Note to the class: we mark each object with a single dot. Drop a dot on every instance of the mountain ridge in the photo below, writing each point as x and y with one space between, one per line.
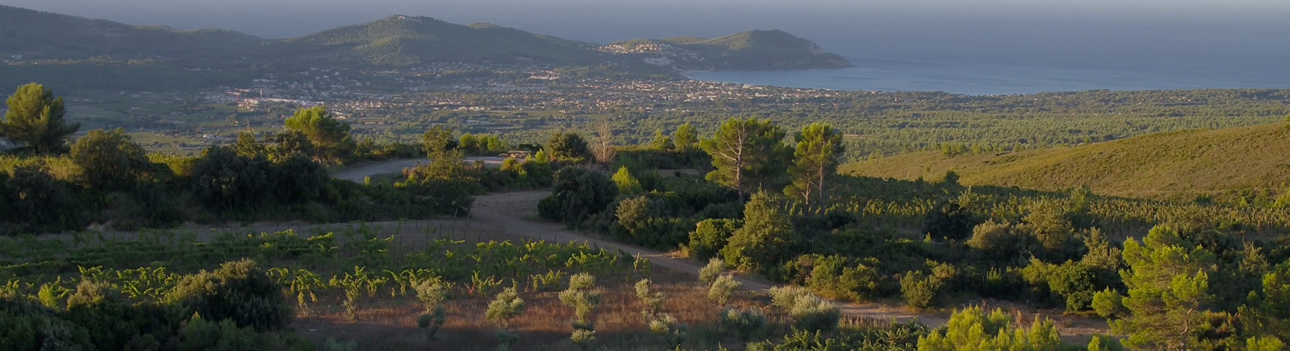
394 41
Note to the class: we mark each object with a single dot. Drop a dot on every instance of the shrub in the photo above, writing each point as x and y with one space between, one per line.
627 184
238 291
722 289
28 327
34 201
831 278
711 235
949 221
920 291
110 160
645 221
576 194
671 329
973 329
651 301
431 322
785 297
505 307
710 272
222 180
809 312
998 241
812 313
583 297
583 338
432 292
745 323
767 237
567 145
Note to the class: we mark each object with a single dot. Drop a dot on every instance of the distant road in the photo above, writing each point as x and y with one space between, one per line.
357 172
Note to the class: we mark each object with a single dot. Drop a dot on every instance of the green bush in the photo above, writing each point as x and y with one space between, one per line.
921 291
1071 283
974 329
832 277
203 335
29 327
949 221
577 193
711 235
238 291
767 237
999 241
723 289
34 201
111 161
567 145
745 323
812 313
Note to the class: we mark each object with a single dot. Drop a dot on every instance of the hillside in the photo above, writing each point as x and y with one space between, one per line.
34 35
402 40
751 50
91 54
1179 165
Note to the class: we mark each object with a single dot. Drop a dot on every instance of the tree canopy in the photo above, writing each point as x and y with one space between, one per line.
36 119
329 136
746 154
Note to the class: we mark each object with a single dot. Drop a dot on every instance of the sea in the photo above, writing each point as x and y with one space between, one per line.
1033 69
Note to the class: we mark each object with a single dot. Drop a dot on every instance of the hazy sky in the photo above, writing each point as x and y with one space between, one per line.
608 20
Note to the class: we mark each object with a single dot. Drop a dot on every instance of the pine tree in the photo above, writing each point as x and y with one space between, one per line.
329 136
767 237
746 154
36 119
685 138
1168 284
661 141
819 149
627 183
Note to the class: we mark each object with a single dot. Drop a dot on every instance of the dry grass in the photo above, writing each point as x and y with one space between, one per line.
1156 166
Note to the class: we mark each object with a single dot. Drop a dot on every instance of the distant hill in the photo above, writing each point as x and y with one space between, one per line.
1177 165
402 41
86 53
34 35
751 50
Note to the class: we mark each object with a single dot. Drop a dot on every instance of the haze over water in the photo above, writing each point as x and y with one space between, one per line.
974 47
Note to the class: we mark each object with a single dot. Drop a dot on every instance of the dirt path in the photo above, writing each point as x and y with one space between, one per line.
511 213
514 213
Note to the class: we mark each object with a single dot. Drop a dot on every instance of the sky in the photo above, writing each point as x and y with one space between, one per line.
603 21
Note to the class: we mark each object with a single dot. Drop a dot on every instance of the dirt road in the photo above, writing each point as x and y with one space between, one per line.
514 214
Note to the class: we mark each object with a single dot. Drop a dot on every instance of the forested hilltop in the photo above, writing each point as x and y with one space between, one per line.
34 41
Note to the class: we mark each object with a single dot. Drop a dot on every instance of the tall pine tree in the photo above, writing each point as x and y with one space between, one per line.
35 119
685 138
819 148
1168 285
746 154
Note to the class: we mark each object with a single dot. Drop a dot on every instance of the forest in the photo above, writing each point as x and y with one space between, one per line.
88 263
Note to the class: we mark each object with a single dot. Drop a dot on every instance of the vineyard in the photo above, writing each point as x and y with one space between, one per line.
356 288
